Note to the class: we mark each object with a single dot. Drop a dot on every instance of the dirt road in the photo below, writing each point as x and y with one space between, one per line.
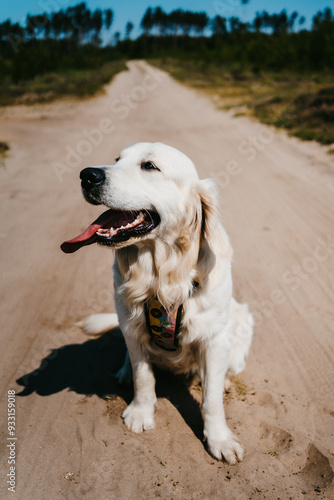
277 206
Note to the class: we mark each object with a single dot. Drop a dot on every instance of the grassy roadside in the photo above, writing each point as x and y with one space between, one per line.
304 105
51 86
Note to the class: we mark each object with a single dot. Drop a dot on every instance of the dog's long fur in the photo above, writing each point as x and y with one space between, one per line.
188 245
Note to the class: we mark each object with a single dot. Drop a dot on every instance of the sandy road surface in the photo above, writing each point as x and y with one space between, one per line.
276 204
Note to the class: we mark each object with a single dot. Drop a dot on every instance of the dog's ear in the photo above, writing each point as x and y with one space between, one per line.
214 240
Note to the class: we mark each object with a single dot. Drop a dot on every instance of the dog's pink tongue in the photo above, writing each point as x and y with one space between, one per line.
88 236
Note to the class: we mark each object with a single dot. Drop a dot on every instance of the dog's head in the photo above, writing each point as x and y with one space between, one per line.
152 191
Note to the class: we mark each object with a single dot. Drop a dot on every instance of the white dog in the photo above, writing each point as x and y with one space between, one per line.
172 280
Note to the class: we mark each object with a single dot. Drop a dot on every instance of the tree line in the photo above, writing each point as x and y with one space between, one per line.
84 26
157 22
72 38
77 23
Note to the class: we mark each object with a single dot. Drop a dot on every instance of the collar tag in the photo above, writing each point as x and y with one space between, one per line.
163 326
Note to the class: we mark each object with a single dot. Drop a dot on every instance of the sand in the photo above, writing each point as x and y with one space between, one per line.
277 206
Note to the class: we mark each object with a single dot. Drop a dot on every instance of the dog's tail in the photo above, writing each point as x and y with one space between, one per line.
97 324
243 323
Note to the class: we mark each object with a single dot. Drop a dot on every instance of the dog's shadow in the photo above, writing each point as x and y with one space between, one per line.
89 369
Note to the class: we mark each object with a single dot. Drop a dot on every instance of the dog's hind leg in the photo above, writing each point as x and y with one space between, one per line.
98 323
242 337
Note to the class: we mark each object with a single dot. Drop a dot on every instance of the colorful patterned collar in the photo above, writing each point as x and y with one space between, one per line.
164 326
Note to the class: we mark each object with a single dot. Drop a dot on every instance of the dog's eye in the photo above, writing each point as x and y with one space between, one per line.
148 165
117 159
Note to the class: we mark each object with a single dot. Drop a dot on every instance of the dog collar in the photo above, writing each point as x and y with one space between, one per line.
164 326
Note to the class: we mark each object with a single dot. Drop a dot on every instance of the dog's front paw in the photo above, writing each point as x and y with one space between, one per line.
139 417
226 446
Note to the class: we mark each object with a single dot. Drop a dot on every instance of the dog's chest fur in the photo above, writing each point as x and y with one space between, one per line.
137 280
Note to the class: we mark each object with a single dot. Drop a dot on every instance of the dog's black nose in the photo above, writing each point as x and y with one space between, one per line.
92 177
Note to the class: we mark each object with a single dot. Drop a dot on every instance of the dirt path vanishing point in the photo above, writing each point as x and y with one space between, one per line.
277 198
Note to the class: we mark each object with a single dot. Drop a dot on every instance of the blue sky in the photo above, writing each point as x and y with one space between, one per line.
133 10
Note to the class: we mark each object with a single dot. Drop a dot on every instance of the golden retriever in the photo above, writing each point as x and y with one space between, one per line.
172 280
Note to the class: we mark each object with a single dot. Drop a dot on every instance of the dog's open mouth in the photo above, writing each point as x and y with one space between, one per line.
112 227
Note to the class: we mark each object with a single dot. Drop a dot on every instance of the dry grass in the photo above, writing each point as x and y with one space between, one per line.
304 105
51 86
